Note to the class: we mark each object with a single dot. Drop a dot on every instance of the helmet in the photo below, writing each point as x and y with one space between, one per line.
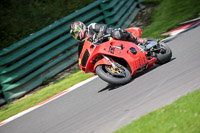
78 30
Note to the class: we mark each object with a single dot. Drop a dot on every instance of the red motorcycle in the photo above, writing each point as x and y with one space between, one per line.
116 61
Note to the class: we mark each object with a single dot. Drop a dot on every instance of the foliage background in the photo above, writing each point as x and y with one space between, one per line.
20 18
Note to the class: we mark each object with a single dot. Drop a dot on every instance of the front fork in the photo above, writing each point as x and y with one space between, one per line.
112 63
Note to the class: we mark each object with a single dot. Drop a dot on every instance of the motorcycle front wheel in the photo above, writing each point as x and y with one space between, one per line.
118 76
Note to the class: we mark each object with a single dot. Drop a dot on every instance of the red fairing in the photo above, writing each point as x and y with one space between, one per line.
92 54
88 59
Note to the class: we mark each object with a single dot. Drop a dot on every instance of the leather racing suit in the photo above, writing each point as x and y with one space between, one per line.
98 30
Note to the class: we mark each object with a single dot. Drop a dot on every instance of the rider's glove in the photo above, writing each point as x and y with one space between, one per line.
100 34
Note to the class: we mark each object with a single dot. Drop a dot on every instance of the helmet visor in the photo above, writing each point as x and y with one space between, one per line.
75 34
78 31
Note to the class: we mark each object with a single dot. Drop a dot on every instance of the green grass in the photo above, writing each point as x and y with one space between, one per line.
183 116
169 14
45 93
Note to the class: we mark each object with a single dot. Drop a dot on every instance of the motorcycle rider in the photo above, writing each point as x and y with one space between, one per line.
80 32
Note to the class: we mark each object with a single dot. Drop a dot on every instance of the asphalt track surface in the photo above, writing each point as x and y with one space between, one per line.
97 107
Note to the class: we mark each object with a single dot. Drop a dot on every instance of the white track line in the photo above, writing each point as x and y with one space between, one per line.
47 101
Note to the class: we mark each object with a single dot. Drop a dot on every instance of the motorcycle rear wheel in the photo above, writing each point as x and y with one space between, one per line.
165 56
115 77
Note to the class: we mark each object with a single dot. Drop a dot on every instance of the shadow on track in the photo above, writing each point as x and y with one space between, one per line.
111 87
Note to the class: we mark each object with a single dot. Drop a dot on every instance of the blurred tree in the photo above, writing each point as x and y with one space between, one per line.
20 18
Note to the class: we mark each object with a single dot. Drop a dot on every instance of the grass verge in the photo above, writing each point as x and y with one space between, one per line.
169 14
183 116
45 93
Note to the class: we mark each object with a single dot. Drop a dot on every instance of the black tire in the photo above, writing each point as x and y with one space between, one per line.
165 56
115 80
